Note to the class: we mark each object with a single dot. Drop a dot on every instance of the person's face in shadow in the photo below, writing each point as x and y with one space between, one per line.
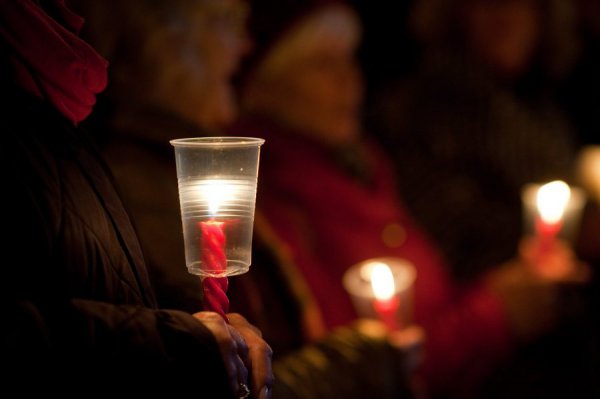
504 34
321 94
206 55
223 47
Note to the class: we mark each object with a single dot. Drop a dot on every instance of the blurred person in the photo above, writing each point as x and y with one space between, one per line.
172 64
328 193
478 121
80 314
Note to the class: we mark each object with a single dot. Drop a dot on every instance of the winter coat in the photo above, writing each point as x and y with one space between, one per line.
78 305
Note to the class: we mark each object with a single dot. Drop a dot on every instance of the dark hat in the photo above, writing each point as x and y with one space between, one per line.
270 20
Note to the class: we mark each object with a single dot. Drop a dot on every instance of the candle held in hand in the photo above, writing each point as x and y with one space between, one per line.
381 288
213 243
217 179
551 200
386 301
214 261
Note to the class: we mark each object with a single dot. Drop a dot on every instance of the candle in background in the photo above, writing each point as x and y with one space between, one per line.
217 179
381 288
386 301
551 211
552 199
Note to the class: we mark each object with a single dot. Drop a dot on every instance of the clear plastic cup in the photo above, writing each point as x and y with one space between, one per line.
217 179
357 282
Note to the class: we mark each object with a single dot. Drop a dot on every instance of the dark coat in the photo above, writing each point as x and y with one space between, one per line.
77 299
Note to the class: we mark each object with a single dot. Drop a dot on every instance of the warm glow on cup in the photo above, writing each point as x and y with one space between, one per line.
217 179
381 288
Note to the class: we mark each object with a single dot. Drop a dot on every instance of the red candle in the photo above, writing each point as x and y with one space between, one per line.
387 309
214 260
386 302
546 232
551 200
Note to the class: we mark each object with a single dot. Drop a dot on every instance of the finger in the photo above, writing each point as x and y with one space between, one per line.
262 373
240 356
228 346
235 372
240 321
241 345
259 356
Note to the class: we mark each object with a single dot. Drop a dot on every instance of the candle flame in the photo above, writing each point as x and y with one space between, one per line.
215 193
382 281
552 200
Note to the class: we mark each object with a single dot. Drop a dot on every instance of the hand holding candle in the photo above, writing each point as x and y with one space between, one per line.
217 179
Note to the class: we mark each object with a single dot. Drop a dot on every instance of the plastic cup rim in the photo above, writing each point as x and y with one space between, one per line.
226 141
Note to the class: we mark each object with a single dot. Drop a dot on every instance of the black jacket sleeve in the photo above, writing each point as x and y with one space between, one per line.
111 347
77 310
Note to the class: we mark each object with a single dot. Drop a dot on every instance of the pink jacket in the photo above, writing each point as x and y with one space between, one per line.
330 222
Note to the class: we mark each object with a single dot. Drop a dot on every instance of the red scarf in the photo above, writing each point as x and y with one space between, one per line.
49 59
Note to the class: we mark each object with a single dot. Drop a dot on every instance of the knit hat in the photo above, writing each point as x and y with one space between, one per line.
271 20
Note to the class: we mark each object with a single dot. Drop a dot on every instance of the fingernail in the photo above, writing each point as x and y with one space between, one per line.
265 393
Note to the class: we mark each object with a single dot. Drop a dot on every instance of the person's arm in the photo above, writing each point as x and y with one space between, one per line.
349 363
107 345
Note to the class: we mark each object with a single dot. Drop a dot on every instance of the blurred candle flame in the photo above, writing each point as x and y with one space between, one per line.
552 200
382 281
